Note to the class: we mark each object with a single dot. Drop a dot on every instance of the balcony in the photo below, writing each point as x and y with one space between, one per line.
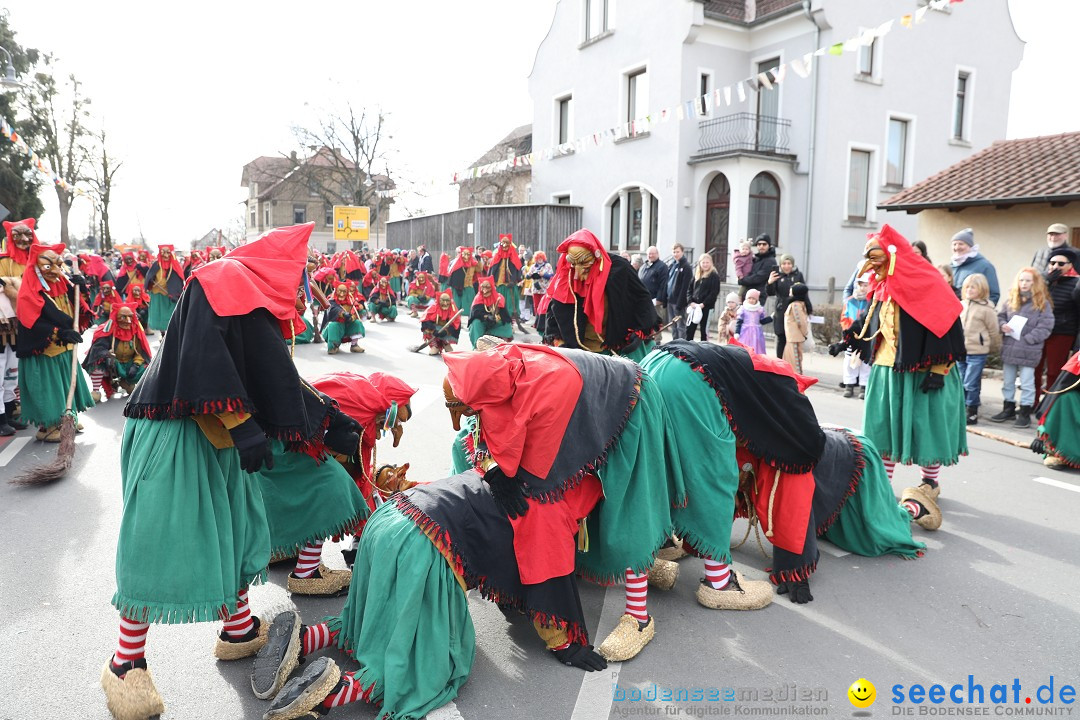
743 133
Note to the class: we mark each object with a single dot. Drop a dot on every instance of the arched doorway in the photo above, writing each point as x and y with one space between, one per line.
717 215
764 207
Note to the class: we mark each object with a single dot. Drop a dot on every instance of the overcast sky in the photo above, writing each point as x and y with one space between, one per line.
189 93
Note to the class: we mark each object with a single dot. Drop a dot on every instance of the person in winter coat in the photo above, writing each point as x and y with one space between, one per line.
966 260
764 265
680 279
982 336
779 284
1030 300
654 274
1063 283
702 297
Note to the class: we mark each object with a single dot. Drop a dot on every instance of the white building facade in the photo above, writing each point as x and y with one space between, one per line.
806 161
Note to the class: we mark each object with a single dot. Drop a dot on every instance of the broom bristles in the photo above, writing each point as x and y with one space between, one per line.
51 472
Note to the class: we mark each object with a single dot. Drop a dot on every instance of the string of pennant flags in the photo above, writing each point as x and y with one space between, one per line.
702 105
38 162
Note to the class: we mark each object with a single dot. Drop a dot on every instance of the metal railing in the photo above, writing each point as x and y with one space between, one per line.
747 132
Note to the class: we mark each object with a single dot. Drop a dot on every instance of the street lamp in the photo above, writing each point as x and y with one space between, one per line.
8 80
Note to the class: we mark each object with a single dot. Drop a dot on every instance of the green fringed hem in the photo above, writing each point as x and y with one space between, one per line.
161 310
607 576
341 529
703 548
911 427
180 613
1058 430
43 384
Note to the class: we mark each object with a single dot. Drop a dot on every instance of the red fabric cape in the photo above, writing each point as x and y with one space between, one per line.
428 289
525 396
1073 365
10 249
262 274
915 285
322 273
791 504
392 388
351 261
459 262
500 301
113 330
30 303
355 394
173 263
776 366
563 286
95 265
440 317
511 255
444 264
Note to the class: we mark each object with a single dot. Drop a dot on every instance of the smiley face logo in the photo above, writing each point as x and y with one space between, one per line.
862 693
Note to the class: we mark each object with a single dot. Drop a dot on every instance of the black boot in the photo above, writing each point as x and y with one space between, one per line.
5 429
1023 419
972 414
9 411
1008 412
849 391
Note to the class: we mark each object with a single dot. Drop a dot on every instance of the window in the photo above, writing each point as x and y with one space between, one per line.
331 248
633 237
266 216
489 196
637 95
764 207
565 131
865 61
328 215
596 18
299 214
858 185
562 199
631 214
508 196
896 158
252 217
960 108
616 224
313 188
704 84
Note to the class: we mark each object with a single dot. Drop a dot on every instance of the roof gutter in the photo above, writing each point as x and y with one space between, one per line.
810 150
961 204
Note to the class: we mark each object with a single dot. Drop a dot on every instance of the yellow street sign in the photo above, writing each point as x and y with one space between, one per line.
351 223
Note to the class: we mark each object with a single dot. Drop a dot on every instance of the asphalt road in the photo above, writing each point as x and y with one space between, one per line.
995 597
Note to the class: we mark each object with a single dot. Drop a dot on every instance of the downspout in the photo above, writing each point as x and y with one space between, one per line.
813 140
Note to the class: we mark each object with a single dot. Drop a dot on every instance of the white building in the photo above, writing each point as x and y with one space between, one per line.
807 161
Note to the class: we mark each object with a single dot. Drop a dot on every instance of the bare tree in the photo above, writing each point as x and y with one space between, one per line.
57 118
104 170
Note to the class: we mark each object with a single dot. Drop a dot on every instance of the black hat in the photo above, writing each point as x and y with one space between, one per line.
1070 254
799 291
765 237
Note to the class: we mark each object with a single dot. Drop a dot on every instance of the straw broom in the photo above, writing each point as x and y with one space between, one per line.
44 474
423 345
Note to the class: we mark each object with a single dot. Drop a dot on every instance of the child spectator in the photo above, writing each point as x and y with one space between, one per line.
982 336
744 259
797 325
725 326
749 319
856 358
1022 345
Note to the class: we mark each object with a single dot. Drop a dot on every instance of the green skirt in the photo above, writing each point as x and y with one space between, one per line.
642 481
1059 431
307 336
406 620
706 454
913 427
336 331
477 331
459 460
387 313
512 295
161 310
871 523
395 285
308 501
464 299
43 387
639 354
193 531
140 370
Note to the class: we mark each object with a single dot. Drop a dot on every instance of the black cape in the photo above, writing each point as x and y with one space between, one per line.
918 347
629 317
175 283
768 414
208 364
478 313
33 340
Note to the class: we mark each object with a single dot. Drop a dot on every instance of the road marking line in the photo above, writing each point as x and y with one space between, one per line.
12 450
448 711
594 698
1057 483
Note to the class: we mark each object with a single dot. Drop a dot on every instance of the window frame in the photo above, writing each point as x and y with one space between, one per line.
906 170
962 104
868 217
565 100
605 19
299 208
631 92
774 230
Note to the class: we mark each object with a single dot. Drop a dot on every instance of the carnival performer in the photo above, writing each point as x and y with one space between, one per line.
489 315
15 256
129 274
598 303
464 273
119 353
349 267
342 321
505 269
102 305
215 253
422 294
194 261
219 390
136 296
165 280
382 303
46 339
914 409
441 325
310 331
444 271
1058 416
370 281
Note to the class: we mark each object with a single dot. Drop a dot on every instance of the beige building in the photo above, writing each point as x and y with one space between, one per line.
505 188
290 190
1008 194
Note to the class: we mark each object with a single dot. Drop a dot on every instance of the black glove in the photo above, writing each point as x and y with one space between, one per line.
254 447
932 381
766 320
69 336
343 434
798 589
1038 446
507 491
580 656
79 280
837 348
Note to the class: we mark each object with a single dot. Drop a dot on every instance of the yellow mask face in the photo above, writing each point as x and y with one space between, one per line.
457 408
581 260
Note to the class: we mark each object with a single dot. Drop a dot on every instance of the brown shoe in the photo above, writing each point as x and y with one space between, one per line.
132 697
323 581
663 574
932 519
739 594
627 639
356 349
248 646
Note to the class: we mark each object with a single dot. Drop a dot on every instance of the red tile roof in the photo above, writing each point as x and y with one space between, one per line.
1042 169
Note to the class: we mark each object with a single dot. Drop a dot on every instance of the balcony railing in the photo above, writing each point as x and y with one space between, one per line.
743 132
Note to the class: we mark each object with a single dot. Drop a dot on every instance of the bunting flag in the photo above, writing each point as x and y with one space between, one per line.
36 161
699 106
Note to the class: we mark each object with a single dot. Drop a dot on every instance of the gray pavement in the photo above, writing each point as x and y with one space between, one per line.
994 597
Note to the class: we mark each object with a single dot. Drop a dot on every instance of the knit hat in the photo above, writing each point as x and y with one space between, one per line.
799 291
967 235
732 297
